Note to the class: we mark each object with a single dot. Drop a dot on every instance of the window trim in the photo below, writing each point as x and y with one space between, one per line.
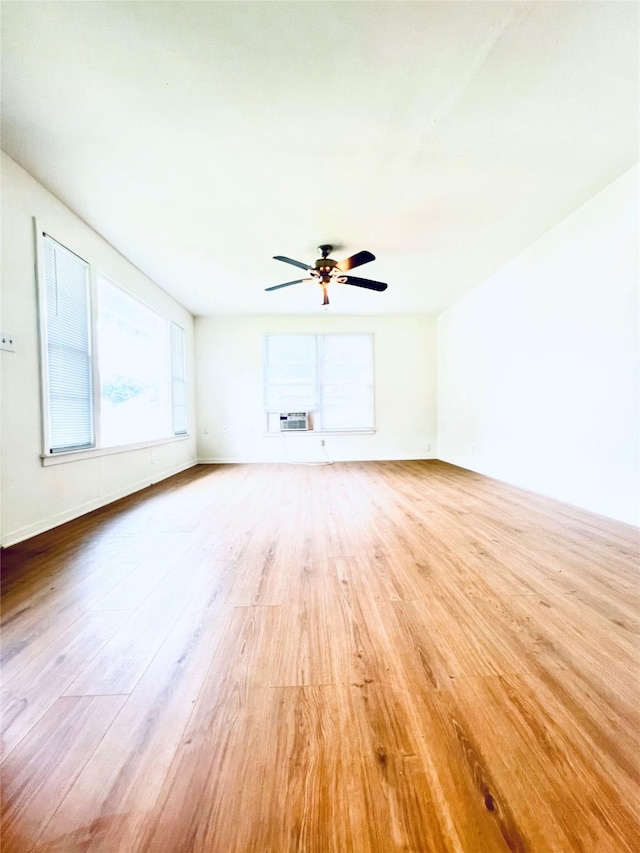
47 456
91 453
308 432
181 378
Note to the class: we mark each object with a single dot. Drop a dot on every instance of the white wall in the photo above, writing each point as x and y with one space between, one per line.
538 367
35 498
230 414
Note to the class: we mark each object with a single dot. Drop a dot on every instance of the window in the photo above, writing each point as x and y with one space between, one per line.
69 421
328 375
112 378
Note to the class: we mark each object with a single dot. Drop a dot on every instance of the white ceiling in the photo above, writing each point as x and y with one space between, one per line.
202 138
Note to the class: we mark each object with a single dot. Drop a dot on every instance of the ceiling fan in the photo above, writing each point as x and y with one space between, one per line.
325 271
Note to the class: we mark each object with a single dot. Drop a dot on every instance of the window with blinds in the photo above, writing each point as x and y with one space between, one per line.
113 369
329 375
67 330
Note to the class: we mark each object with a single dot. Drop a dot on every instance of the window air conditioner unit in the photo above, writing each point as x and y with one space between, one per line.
294 421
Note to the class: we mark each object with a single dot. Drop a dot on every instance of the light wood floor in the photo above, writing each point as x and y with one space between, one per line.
358 657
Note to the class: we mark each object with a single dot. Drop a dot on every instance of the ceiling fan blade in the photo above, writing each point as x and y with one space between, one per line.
365 282
291 261
355 261
287 284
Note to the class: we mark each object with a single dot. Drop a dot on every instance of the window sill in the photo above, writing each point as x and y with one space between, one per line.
91 453
277 433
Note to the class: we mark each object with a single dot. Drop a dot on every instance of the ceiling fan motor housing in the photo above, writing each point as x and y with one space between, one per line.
325 265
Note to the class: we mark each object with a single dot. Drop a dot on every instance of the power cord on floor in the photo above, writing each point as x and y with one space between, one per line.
291 461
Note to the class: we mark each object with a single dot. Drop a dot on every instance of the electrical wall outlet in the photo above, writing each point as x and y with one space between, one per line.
8 342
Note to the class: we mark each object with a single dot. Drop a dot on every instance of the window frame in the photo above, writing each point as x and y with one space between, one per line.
47 456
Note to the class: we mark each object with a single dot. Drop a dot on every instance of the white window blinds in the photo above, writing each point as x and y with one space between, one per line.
68 365
346 381
291 368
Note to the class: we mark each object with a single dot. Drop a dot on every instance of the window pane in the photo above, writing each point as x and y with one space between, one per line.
68 346
346 349
291 373
347 372
291 349
347 381
134 363
346 416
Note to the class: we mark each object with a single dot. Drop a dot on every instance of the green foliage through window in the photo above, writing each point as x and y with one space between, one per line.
121 389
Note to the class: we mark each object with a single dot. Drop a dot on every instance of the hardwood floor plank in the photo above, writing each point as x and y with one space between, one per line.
75 570
355 658
310 660
228 727
53 603
107 806
39 772
122 661
259 582
245 780
363 651
33 690
400 727
530 768
135 587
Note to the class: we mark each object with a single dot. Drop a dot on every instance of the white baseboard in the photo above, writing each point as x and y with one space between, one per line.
22 533
224 460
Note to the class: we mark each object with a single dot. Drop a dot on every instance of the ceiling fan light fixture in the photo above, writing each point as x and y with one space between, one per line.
326 269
